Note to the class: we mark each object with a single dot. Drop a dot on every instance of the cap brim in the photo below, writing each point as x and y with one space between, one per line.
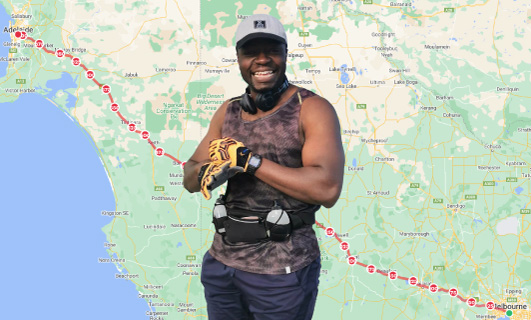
257 35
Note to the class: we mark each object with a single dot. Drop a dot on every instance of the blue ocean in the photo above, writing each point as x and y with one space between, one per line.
53 189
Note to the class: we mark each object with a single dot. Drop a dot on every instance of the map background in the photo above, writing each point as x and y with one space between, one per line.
4 19
477 245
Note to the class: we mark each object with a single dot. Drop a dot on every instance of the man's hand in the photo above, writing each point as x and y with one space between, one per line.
214 174
228 149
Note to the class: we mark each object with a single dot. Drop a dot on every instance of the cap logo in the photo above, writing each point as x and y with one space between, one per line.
259 24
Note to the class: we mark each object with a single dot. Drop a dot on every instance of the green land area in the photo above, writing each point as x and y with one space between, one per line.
434 104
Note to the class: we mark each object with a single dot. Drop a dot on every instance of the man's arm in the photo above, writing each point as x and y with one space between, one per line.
320 179
200 156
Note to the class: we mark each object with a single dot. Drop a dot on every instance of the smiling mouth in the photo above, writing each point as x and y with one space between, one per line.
263 75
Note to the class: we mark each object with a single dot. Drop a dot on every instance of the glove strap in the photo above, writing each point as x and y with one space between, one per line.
254 163
202 172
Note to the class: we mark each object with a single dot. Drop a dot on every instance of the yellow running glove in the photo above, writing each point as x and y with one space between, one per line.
214 174
229 149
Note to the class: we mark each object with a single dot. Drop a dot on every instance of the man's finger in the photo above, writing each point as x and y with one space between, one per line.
204 187
220 175
234 170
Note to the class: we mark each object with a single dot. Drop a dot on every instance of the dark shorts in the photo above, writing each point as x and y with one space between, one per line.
236 294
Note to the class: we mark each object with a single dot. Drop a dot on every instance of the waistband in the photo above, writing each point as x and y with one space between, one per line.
298 218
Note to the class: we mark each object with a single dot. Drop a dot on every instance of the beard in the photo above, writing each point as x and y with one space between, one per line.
277 84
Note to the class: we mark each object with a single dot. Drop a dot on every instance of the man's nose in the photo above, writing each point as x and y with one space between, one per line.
262 57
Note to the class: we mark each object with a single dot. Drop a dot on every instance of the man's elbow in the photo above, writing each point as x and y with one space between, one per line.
330 195
190 182
188 187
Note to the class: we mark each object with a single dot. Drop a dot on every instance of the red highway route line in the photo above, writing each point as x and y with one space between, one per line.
112 101
361 264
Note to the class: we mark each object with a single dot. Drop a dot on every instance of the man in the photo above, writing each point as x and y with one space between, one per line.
280 148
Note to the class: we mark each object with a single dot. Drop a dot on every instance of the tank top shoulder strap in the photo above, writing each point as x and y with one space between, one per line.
234 103
303 94
233 99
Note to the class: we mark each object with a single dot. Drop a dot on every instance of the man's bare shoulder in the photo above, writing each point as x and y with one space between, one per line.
225 104
219 115
317 108
316 100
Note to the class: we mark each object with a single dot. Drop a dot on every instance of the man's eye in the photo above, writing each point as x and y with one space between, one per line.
249 53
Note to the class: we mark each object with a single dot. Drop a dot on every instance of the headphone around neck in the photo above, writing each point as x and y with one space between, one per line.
263 101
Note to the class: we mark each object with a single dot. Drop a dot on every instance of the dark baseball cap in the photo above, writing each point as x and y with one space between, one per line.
260 26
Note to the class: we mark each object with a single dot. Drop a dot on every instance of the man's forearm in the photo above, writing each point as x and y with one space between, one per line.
308 184
191 170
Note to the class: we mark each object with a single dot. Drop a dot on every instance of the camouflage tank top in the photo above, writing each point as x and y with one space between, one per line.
274 137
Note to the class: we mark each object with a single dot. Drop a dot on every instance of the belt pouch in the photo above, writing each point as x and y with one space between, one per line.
240 230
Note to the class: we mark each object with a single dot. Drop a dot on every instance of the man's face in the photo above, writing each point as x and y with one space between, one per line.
262 63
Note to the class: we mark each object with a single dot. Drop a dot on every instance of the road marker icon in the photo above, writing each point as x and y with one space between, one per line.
106 89
115 107
352 260
433 288
39 43
132 127
159 152
24 35
330 232
90 74
452 292
59 53
76 61
371 269
413 280
471 302
392 275
344 246
145 135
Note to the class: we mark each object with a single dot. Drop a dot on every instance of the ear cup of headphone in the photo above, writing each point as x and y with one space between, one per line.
247 104
266 101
